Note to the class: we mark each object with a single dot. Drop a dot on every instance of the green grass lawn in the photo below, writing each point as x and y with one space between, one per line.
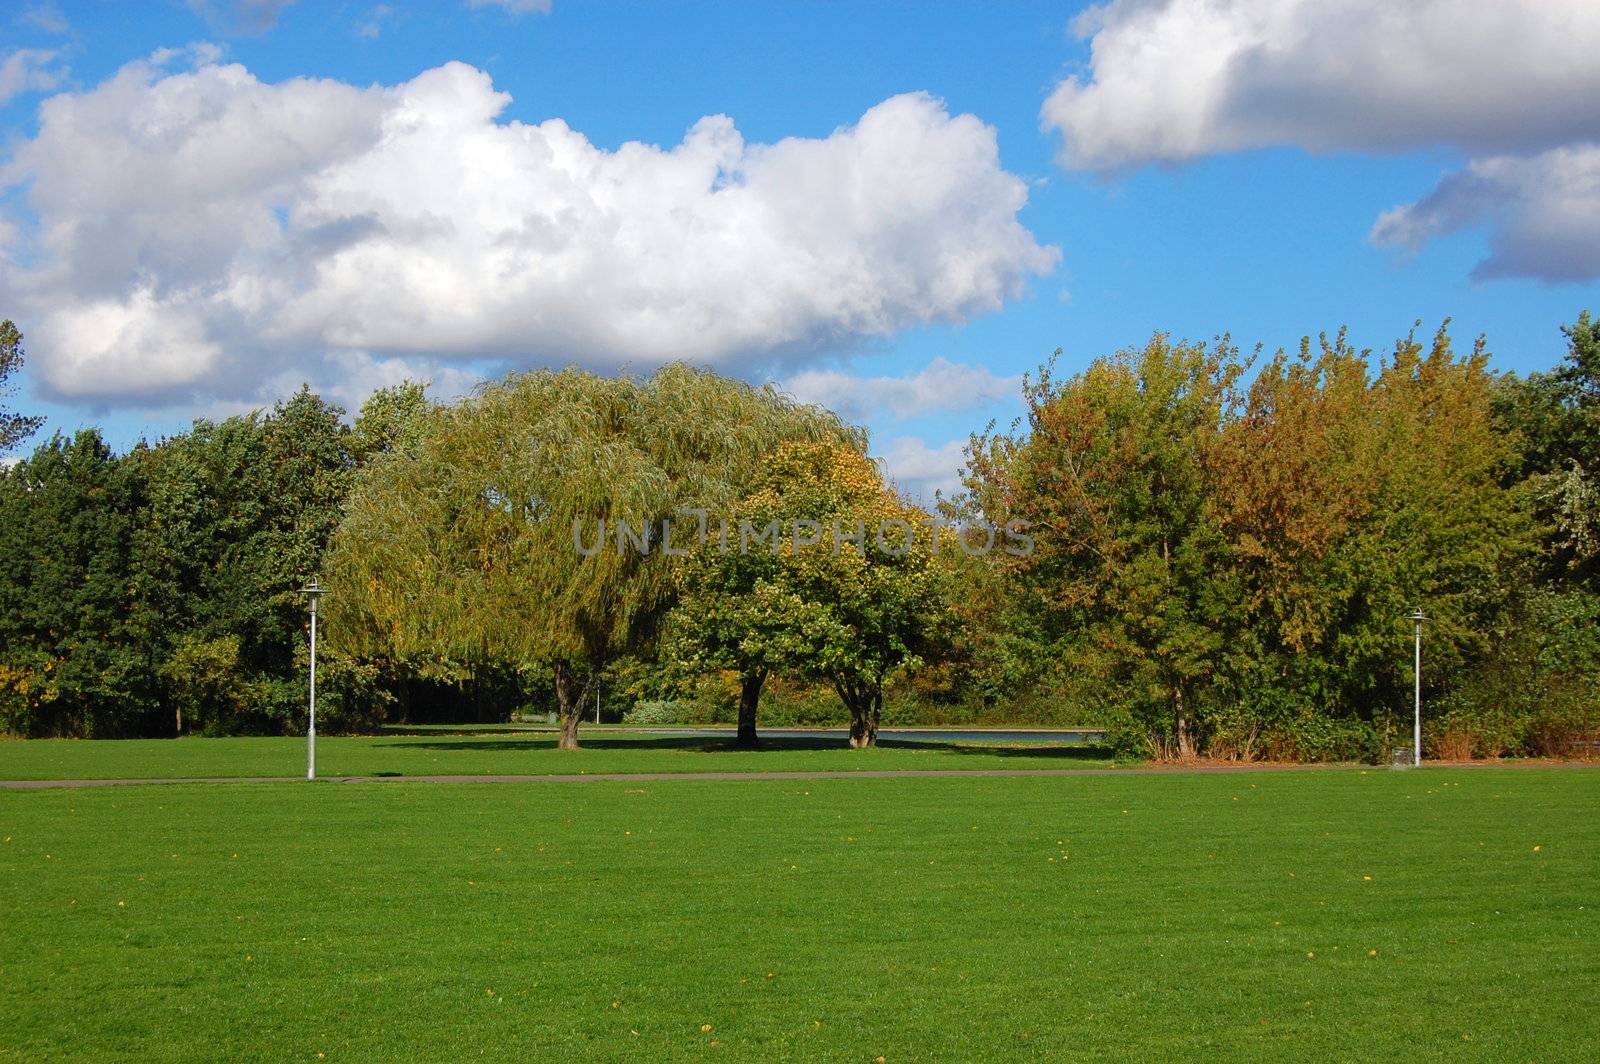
503 753
1433 915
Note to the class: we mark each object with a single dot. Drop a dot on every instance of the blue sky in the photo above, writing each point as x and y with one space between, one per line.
1255 214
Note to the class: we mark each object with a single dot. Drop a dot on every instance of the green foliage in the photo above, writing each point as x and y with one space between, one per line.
209 690
814 604
1537 692
1235 562
14 428
479 544
1555 418
1225 549
658 712
75 637
392 419
157 592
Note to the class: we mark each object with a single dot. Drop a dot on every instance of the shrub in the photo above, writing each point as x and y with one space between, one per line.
658 712
1319 738
208 690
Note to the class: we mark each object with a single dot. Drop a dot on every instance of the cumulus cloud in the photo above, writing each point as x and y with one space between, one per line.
919 470
1544 210
1170 80
198 231
29 70
1510 83
940 386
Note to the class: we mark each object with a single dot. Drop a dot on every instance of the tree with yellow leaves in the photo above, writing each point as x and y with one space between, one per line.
823 572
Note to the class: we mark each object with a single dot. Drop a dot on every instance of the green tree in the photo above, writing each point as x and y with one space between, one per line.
821 571
237 516
14 428
391 418
76 653
1556 419
526 527
1232 565
1350 499
1129 574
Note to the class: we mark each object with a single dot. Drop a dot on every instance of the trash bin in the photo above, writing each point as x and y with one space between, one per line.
1402 757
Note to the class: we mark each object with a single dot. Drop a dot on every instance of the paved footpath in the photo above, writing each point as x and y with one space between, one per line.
839 774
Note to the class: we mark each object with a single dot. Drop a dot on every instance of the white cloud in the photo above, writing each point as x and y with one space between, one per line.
1544 212
240 17
514 7
940 386
372 26
920 470
46 17
199 232
1171 80
29 70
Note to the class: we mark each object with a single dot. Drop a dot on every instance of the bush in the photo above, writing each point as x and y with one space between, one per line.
1318 738
1465 728
1534 692
208 690
1129 738
1565 724
352 697
659 712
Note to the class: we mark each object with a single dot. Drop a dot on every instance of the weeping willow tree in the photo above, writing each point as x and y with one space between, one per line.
529 525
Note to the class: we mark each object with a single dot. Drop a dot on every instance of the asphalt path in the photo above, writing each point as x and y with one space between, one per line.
839 774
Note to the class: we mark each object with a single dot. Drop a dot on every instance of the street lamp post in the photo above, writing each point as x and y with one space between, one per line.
314 590
1416 735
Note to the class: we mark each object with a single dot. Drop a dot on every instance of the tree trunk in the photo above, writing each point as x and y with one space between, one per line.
865 712
749 699
569 706
1186 748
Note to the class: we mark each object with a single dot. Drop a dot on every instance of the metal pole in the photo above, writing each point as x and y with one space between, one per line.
1416 735
597 700
311 719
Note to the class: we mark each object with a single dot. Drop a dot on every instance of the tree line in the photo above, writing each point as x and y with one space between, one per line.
1222 550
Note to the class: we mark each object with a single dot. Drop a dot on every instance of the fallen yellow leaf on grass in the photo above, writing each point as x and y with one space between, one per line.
705 1027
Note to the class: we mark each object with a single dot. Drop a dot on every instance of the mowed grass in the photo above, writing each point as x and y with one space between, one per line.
1433 915
506 753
